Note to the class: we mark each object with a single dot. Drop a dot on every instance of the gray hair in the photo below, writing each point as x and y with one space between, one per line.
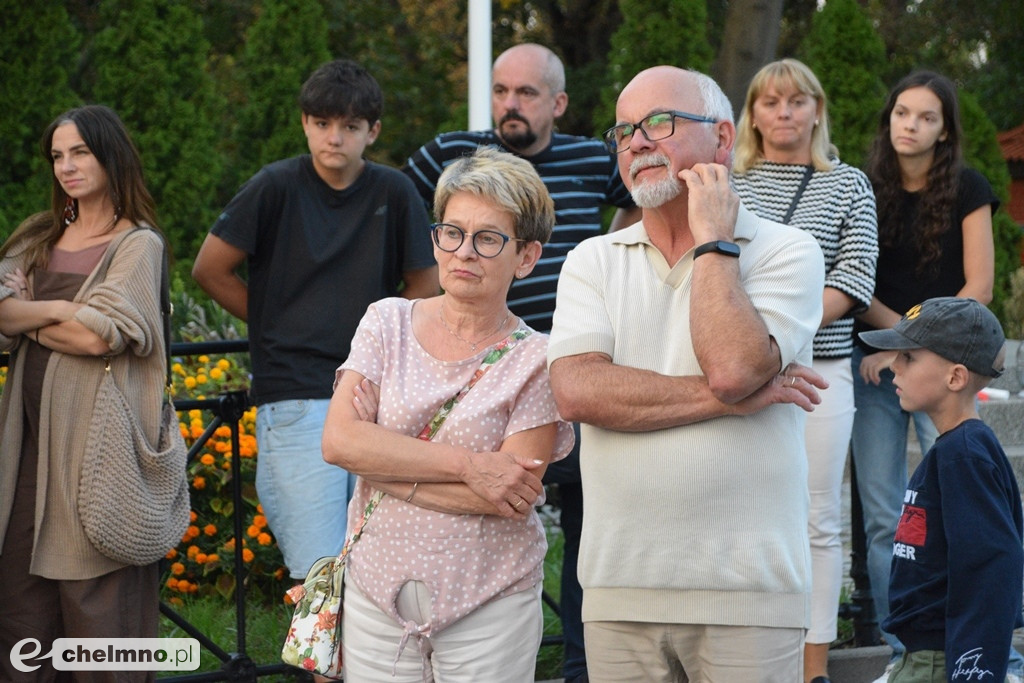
508 181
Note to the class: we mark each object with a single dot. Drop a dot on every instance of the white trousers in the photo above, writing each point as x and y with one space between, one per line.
827 438
497 642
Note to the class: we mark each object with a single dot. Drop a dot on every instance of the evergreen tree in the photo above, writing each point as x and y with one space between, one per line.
149 64
284 45
652 33
981 151
38 44
416 50
847 55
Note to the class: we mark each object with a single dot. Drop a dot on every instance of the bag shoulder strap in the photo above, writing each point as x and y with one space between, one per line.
808 172
165 285
496 353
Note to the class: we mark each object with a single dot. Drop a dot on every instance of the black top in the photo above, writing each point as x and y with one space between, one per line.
317 258
898 284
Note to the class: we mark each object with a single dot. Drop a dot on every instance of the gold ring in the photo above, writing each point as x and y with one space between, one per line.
520 502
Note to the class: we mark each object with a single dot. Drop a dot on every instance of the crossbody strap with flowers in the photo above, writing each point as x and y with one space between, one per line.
496 353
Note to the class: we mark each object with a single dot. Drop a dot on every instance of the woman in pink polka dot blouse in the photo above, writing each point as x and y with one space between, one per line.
452 557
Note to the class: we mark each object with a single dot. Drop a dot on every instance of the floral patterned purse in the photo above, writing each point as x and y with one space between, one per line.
314 641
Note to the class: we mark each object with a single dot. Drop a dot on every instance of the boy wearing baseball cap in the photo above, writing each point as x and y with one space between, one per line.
957 565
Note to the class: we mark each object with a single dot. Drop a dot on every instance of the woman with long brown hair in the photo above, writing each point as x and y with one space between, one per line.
935 239
79 289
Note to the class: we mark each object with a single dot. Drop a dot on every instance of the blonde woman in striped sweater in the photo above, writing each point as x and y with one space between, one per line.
787 170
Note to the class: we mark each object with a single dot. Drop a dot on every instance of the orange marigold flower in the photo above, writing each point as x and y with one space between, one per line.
259 520
264 539
224 364
246 452
190 382
193 530
202 379
203 359
195 414
192 516
192 551
171 554
221 446
201 558
185 432
197 431
223 431
230 545
259 508
207 459
178 602
247 555
177 568
172 583
216 373
212 557
279 574
210 530
199 483
183 586
253 531
193 587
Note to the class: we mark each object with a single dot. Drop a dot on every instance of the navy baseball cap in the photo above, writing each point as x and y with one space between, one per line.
960 330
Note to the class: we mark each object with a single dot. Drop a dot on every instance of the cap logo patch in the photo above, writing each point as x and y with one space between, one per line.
913 312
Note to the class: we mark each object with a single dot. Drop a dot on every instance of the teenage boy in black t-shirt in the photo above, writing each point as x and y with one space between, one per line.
323 235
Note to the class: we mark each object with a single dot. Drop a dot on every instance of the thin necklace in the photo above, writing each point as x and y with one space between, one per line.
472 345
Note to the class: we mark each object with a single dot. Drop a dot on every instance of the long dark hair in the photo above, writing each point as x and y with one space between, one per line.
108 140
938 198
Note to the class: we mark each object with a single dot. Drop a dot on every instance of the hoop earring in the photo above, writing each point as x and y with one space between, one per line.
70 211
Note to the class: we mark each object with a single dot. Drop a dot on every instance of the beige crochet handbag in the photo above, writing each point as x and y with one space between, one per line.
133 498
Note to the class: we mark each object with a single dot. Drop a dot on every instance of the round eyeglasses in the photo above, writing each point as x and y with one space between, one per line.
657 126
486 243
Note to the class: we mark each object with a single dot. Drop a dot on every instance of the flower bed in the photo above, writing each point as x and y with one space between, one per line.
203 563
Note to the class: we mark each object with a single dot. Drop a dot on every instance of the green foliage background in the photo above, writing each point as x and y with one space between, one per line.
209 88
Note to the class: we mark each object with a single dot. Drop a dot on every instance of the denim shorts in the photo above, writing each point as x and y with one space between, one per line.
304 499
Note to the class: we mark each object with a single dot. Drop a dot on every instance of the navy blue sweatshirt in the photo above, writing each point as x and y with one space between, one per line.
957 563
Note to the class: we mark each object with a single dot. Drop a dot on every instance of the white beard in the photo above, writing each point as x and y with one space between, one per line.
653 193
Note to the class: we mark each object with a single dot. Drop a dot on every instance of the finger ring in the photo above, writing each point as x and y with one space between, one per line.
792 381
518 503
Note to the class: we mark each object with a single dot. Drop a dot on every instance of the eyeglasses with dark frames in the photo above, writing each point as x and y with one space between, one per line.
486 243
657 126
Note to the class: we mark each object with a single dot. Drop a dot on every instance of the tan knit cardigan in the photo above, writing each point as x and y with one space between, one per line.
124 309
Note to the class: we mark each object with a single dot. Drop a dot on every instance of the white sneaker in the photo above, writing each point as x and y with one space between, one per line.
884 678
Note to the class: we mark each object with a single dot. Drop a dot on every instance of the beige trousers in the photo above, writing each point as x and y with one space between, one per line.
635 652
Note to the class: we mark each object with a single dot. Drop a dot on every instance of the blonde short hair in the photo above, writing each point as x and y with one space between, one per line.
508 181
785 75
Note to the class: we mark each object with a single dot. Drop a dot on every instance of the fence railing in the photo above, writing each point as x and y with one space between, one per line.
236 665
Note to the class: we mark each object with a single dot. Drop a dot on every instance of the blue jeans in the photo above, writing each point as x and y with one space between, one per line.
879 450
304 499
565 474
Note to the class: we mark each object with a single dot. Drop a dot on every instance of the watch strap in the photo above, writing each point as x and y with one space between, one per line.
719 247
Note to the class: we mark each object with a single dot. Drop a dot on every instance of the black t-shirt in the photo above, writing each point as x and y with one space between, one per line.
317 258
898 284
